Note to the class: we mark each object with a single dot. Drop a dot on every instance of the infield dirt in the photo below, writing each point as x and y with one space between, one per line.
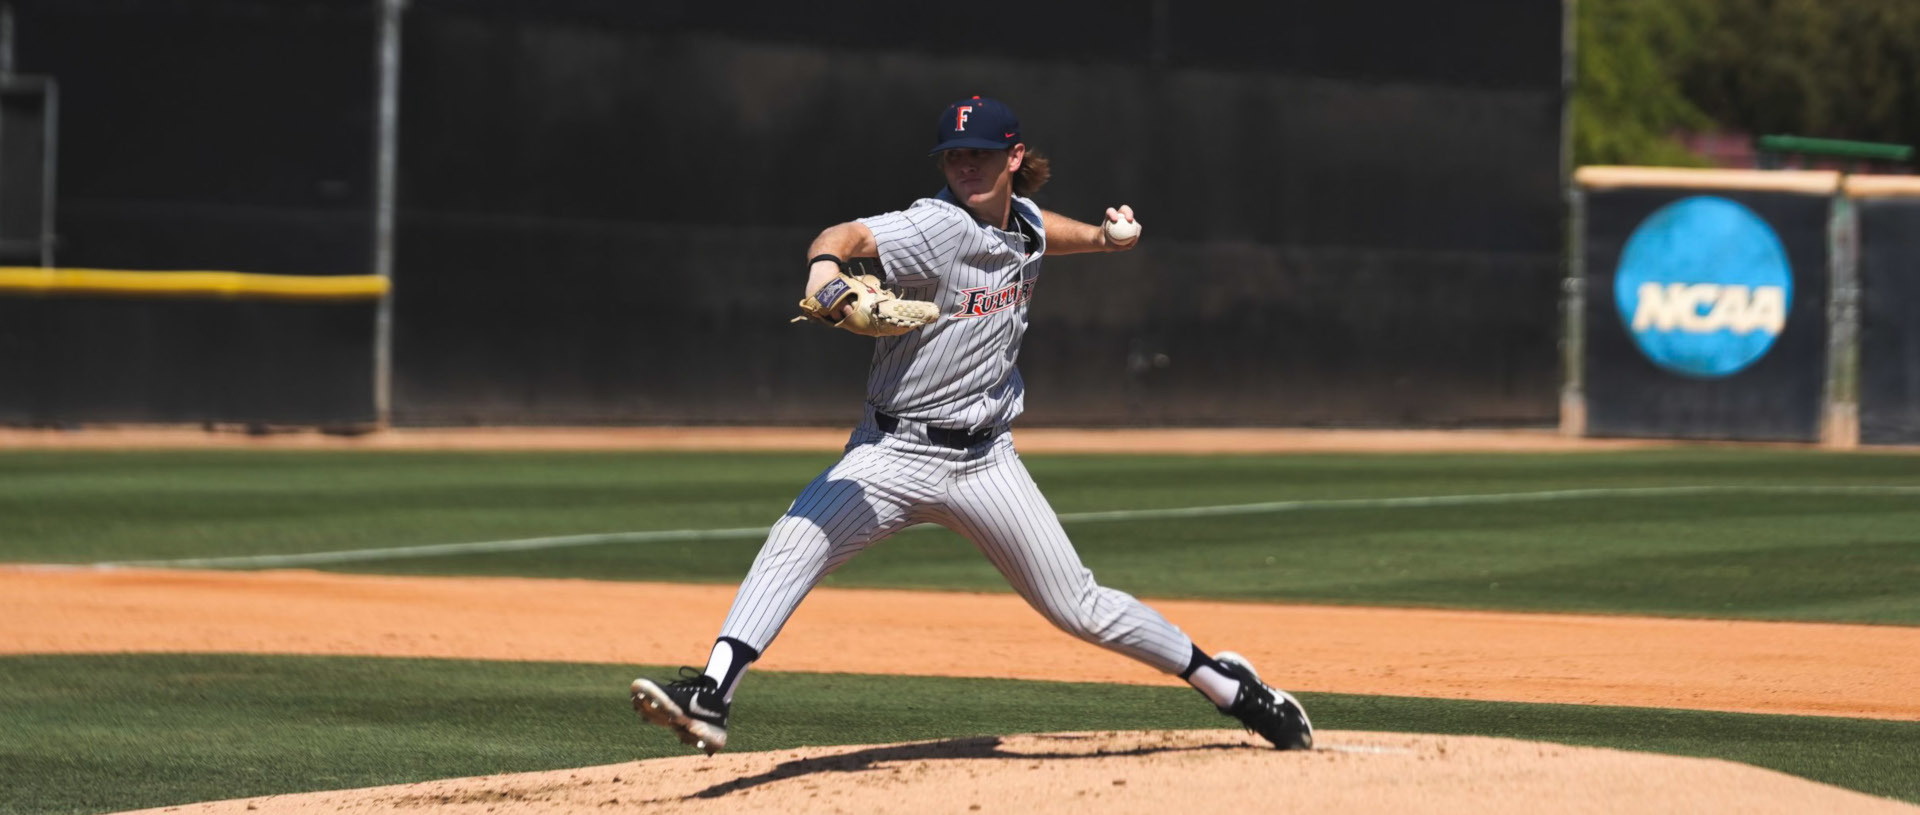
1193 441
1756 667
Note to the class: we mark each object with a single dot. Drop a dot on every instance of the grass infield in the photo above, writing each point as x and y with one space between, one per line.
1827 557
112 732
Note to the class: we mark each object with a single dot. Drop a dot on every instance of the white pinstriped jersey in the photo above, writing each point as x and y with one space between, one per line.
960 371
957 373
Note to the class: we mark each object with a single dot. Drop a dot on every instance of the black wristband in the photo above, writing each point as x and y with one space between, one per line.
835 258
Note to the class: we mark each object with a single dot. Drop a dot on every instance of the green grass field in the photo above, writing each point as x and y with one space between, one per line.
1790 535
1813 556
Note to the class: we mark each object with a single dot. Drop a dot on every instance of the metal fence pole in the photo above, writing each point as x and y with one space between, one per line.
1840 426
1573 321
49 167
1573 288
6 38
386 146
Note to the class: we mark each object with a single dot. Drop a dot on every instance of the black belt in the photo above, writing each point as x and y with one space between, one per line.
956 439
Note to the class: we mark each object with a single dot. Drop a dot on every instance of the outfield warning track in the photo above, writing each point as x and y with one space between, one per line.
1757 667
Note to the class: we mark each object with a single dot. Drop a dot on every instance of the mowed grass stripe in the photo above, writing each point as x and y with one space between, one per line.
1846 556
91 506
683 535
100 733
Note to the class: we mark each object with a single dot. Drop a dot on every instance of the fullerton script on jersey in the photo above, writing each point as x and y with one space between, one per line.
980 302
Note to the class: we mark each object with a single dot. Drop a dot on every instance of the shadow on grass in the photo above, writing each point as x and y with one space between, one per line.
968 748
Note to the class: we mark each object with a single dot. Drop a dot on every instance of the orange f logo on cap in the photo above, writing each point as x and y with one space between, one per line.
973 124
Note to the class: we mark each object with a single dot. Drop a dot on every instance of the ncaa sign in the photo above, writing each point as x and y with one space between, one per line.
1703 287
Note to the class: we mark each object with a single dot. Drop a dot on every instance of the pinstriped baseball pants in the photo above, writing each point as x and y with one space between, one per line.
886 483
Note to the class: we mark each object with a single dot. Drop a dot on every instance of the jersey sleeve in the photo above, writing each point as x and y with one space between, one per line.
916 245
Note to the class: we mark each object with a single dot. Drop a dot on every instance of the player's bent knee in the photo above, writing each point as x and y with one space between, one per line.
1083 625
795 538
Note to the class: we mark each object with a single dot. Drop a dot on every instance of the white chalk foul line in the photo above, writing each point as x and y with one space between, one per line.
750 532
1484 498
442 549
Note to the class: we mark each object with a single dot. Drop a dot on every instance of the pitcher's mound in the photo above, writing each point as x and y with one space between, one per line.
1153 773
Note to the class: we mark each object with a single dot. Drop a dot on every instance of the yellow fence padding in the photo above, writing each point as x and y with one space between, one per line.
194 284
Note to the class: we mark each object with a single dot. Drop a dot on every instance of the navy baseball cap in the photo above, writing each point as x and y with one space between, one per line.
978 122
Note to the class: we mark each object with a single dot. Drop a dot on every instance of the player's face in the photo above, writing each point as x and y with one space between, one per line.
981 176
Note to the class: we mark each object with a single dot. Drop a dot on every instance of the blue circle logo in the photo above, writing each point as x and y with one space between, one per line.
1703 287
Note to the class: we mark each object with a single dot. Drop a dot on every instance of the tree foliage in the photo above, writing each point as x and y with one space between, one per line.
1627 99
1846 69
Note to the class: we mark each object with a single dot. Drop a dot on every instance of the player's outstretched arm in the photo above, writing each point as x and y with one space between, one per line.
1066 236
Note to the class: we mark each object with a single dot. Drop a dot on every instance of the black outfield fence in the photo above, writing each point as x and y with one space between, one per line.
68 360
600 209
1752 305
1888 210
1705 307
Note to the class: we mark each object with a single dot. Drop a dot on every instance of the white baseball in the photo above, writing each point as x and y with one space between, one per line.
1121 232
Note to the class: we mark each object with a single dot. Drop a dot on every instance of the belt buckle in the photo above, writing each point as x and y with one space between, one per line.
943 436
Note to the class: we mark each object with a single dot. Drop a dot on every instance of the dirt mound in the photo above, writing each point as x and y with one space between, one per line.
1153 773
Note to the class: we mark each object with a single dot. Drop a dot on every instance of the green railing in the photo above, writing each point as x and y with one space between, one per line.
1835 148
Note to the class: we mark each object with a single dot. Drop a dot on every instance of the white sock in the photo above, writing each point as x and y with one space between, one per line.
1217 686
719 664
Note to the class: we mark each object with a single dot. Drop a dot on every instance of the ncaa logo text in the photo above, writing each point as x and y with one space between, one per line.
1704 287
1700 308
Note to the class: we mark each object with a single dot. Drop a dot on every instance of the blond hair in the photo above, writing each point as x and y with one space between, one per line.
1033 174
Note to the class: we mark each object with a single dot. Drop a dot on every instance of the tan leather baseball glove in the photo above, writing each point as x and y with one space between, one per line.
872 310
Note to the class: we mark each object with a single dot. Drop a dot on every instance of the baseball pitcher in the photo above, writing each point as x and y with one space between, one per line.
944 286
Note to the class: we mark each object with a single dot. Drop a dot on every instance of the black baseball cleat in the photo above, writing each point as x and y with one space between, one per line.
689 706
1264 709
